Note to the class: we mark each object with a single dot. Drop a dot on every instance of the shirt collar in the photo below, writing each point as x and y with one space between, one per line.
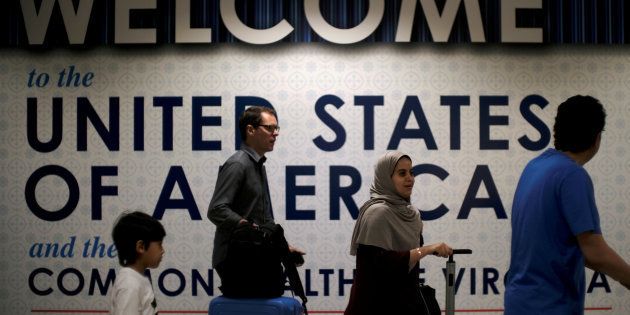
252 153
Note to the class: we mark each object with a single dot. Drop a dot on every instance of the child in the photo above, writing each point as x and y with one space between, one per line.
138 239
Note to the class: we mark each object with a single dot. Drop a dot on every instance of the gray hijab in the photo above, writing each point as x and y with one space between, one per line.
387 220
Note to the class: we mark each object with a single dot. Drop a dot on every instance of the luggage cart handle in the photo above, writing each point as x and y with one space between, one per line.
450 281
462 251
459 252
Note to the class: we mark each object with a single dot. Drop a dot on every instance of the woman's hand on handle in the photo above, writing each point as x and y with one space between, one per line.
440 249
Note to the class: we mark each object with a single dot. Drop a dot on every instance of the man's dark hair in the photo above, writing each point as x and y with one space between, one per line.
252 116
578 122
132 227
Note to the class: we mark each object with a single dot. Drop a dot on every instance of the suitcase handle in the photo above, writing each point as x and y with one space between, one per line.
450 280
459 251
462 251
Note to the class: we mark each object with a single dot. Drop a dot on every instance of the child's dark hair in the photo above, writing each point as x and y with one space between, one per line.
132 227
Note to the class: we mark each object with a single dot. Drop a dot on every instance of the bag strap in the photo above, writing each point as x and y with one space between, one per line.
295 282
288 262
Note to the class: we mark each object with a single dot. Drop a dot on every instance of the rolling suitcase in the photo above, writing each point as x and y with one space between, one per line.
277 306
450 281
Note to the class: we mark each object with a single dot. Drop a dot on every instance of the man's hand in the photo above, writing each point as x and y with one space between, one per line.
297 251
244 221
600 257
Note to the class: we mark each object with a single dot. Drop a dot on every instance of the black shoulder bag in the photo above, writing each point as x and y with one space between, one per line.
259 252
256 255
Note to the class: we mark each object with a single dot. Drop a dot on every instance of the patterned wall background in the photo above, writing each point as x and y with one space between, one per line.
292 78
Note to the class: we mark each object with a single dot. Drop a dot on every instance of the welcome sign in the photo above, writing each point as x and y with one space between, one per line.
50 23
87 134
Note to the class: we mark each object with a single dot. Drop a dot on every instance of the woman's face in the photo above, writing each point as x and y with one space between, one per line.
403 178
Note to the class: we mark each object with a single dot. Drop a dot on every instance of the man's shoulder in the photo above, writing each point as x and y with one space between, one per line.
554 163
239 157
239 164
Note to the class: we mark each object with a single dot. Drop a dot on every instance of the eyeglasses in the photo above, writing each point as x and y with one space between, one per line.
271 128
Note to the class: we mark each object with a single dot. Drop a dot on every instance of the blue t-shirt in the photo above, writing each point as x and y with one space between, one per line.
553 203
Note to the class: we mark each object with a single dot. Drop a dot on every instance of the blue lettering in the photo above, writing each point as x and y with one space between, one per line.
343 282
179 275
455 103
167 103
598 284
293 190
326 273
31 281
334 125
537 123
486 120
412 106
95 280
490 278
473 281
101 284
138 123
98 248
177 176
57 125
46 250
307 283
338 193
60 282
199 121
368 117
441 210
207 286
85 112
98 190
73 197
482 175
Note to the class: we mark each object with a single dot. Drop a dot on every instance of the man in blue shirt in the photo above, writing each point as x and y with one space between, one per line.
555 222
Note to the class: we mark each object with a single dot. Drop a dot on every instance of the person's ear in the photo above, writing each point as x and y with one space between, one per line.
140 247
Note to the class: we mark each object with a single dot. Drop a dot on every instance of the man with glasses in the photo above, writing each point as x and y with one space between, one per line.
241 194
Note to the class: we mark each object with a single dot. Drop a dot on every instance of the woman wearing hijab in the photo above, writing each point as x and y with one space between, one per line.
387 244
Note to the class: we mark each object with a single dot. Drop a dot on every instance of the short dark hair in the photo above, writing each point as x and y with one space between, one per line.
252 116
132 227
578 122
